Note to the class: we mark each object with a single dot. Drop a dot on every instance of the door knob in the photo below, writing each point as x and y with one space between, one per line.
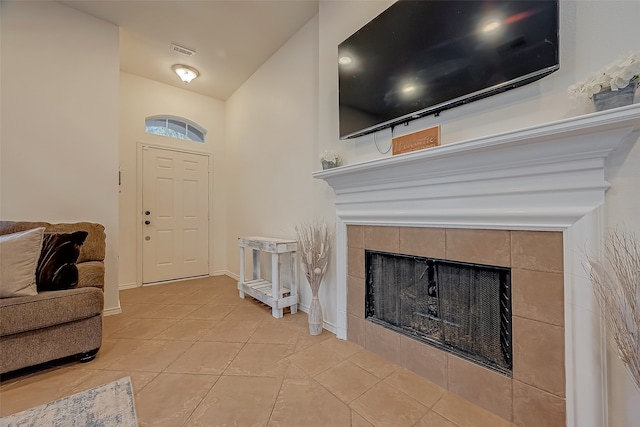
147 222
147 213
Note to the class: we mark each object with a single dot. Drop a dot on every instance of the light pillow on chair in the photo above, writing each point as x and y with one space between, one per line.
19 254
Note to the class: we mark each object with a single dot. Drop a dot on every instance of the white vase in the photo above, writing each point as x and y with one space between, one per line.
316 320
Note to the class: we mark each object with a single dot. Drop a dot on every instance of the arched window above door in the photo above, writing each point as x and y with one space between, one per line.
175 127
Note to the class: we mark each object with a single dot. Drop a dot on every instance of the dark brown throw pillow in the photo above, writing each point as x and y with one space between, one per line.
57 268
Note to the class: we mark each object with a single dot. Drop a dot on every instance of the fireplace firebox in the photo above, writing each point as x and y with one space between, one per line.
459 307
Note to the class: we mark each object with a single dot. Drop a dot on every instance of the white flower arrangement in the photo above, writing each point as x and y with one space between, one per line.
330 156
615 76
616 282
315 241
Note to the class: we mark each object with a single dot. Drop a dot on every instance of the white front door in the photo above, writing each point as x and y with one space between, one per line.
175 215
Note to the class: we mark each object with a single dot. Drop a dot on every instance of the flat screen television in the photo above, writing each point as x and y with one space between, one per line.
419 58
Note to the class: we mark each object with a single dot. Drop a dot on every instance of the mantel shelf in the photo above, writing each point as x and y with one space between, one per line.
542 177
615 119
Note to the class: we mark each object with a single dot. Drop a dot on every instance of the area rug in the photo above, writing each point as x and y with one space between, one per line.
109 405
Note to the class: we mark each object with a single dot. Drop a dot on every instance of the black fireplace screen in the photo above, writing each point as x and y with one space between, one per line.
459 307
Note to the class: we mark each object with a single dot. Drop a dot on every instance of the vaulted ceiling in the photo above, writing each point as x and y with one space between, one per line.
231 39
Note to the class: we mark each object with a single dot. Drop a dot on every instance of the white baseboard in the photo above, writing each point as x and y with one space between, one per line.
124 286
112 311
226 273
326 325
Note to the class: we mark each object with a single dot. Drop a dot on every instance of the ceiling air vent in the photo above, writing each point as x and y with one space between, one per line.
182 50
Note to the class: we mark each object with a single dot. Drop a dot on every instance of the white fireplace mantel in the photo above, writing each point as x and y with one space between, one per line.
546 177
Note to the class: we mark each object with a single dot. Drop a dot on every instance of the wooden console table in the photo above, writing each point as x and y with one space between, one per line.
274 293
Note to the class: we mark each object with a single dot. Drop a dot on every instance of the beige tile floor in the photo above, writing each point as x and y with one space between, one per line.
198 355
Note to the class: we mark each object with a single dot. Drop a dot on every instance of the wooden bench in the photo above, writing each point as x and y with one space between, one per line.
274 293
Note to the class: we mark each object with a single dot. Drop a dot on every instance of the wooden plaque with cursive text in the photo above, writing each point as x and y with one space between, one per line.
416 141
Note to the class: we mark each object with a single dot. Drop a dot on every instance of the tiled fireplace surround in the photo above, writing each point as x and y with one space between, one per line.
531 199
535 395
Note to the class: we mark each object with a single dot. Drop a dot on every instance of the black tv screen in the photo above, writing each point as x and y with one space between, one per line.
421 57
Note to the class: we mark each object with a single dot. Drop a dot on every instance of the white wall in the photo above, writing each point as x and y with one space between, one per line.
592 34
272 145
141 98
60 121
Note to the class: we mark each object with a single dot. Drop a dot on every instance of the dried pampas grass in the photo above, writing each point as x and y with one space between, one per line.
315 242
616 282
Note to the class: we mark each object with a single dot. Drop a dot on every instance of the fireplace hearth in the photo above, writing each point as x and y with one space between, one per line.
462 308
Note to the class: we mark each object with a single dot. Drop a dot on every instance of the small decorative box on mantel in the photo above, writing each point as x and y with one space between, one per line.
426 138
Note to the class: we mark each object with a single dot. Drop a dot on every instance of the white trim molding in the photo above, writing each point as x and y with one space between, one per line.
543 177
226 273
112 311
546 177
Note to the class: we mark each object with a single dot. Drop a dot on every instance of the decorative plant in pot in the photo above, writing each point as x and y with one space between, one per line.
315 241
613 86
616 283
330 159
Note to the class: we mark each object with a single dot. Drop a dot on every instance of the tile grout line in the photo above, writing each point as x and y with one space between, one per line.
275 401
204 396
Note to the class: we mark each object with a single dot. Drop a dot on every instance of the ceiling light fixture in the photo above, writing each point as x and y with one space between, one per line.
409 89
185 72
491 26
